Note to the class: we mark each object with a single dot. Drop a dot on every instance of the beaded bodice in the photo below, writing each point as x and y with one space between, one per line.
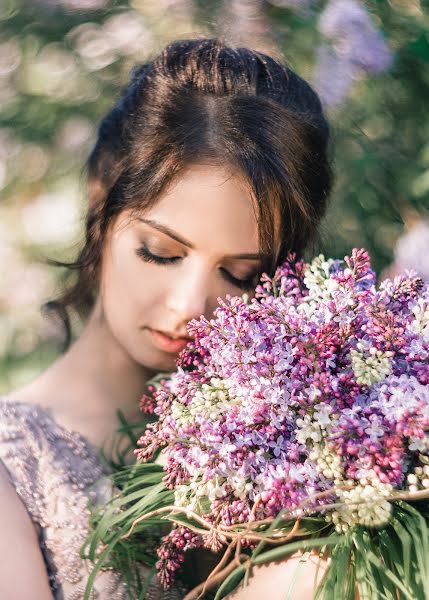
55 472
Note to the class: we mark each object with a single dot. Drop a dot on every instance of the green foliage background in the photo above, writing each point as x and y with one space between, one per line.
62 65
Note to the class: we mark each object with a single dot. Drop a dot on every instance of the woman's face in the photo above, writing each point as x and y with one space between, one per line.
197 243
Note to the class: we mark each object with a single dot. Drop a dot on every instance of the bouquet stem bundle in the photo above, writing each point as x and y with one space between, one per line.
392 562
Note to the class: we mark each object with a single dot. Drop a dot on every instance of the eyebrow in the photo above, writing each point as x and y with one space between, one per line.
178 238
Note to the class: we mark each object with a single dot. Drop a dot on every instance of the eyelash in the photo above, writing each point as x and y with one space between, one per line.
147 256
144 253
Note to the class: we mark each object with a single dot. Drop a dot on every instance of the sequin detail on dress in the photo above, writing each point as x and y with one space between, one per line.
55 472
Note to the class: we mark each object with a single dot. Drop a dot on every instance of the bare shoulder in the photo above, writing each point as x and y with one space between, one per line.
297 576
19 548
31 393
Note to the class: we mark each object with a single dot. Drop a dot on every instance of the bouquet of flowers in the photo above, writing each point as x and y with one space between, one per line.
297 419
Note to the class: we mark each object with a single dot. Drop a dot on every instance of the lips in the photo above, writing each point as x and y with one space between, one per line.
168 342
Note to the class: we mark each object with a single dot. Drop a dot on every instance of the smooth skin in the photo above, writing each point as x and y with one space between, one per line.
19 548
204 230
294 579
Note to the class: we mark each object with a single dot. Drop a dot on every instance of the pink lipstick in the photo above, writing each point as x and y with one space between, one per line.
168 343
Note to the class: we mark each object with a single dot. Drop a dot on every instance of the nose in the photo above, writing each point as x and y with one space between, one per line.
188 294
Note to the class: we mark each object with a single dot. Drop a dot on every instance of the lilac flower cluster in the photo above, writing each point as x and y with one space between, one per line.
315 392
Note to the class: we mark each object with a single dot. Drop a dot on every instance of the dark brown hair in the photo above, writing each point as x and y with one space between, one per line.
201 100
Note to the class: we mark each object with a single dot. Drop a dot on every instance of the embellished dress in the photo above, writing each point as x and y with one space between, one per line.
56 472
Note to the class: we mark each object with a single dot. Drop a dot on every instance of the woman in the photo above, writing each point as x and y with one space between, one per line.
211 167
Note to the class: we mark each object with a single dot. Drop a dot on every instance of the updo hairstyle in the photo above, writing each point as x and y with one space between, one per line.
202 101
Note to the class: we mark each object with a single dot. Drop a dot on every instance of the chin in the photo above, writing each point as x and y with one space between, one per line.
156 361
148 356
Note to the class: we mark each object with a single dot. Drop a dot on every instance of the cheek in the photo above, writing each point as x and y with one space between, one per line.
121 288
134 290
222 289
217 289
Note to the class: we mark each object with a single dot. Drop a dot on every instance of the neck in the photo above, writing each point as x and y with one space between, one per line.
111 378
94 379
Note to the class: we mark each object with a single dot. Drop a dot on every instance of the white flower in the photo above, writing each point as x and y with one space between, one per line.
419 444
364 504
370 366
318 279
322 414
420 324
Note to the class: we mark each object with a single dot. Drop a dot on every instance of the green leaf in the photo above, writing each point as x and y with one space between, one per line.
146 583
372 560
338 581
99 564
296 574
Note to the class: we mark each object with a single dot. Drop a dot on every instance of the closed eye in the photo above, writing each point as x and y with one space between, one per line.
244 284
148 256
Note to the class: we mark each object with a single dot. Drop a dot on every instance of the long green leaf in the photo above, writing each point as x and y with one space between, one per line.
98 565
296 574
148 501
147 582
374 561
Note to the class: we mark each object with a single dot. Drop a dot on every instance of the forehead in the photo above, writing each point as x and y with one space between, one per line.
210 207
